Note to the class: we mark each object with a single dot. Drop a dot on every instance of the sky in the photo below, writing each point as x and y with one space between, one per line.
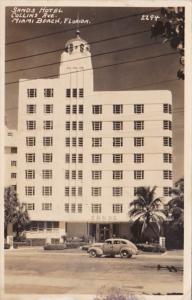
141 73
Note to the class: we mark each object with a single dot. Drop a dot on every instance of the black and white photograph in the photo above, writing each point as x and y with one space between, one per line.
93 190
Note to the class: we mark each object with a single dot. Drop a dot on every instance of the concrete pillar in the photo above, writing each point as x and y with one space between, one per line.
110 230
97 233
62 231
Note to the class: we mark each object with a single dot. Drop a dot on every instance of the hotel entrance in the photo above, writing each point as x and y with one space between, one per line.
101 232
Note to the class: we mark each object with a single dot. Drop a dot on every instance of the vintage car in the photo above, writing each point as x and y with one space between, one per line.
112 247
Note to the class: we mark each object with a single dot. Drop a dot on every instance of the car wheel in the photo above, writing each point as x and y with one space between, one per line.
125 254
92 253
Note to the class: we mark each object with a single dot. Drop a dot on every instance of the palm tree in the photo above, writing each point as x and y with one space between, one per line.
15 214
149 212
175 227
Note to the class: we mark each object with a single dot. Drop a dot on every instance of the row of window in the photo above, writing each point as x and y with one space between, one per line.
95 191
137 108
49 93
76 207
96 142
96 109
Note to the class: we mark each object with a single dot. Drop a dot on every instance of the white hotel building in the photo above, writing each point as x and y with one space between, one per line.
82 154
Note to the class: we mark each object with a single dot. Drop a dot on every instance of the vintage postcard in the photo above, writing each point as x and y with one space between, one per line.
96 150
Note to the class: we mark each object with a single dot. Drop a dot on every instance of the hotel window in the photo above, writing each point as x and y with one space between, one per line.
68 93
74 125
167 191
79 208
67 176
97 142
117 142
138 108
29 174
48 108
73 207
80 142
13 163
167 141
67 158
138 125
167 174
73 191
46 206
67 141
68 109
117 108
80 191
13 175
96 158
80 174
30 157
31 93
96 208
47 190
73 174
47 174
117 208
14 150
30 141
47 157
167 158
30 206
96 191
74 109
137 189
117 125
81 93
97 109
74 141
138 141
47 125
31 108
80 158
96 175
67 125
80 109
14 186
74 158
167 125
97 125
67 191
167 108
138 158
74 93
29 190
80 125
47 141
139 174
66 207
31 125
117 174
117 191
48 93
117 158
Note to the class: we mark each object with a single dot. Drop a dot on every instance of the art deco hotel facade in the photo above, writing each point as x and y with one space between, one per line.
82 154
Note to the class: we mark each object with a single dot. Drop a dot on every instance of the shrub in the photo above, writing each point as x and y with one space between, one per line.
151 248
75 244
55 247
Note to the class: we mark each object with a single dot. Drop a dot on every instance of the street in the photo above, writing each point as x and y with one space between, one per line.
35 271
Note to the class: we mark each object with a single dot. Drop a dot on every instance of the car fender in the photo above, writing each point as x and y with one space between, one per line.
98 250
